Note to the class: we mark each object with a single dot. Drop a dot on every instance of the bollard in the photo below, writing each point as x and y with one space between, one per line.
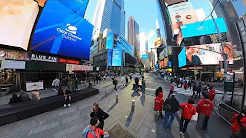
133 105
117 98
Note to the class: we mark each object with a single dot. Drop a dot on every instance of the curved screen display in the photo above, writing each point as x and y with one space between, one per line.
63 32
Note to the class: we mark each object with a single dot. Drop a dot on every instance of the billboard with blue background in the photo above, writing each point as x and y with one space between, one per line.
240 7
78 6
110 40
145 56
109 59
203 28
63 32
169 64
182 58
117 57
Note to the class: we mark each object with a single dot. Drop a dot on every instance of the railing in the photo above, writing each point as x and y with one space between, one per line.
217 103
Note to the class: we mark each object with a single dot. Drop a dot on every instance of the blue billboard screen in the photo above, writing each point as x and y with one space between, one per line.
110 40
207 28
110 52
182 58
117 57
169 64
240 7
63 32
145 56
78 6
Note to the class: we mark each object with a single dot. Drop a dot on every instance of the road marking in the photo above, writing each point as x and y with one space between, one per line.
43 128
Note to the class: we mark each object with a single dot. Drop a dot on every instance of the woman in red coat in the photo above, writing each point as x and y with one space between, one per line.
188 111
211 93
238 121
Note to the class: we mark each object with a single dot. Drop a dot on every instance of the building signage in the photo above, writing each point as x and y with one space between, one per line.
73 67
13 54
145 56
69 61
117 57
13 64
192 68
43 58
30 86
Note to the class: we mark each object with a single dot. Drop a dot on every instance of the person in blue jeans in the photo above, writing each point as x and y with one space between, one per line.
171 106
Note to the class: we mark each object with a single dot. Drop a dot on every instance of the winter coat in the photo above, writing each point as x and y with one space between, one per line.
205 107
188 110
211 94
173 103
235 125
157 91
159 102
100 114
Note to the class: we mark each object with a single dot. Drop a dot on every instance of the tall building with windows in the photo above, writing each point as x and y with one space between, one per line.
143 37
109 14
133 33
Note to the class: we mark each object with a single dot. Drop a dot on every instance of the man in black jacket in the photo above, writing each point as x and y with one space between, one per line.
100 114
171 106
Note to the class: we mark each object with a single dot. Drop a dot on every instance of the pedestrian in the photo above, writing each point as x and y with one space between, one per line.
194 90
137 81
159 103
143 86
56 84
68 97
238 121
211 93
92 131
199 89
171 106
157 91
189 84
185 85
188 111
123 81
100 114
76 82
204 109
126 80
171 89
115 82
14 99
95 79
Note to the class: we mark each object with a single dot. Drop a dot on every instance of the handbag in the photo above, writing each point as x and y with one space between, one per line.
167 107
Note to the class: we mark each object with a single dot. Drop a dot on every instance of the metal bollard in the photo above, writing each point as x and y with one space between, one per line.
117 98
133 105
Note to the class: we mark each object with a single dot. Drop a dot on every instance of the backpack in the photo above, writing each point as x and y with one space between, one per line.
86 131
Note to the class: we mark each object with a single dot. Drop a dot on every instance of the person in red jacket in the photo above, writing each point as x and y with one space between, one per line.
238 121
188 111
211 93
159 102
204 109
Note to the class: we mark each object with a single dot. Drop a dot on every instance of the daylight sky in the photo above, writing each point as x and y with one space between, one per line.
144 12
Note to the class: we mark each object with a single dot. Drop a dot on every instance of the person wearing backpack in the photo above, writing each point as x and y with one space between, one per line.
92 131
171 106
188 111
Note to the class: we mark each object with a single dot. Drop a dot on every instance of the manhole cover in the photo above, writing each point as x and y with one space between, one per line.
119 132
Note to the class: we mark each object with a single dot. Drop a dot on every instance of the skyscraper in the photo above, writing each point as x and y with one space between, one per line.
143 43
133 34
109 14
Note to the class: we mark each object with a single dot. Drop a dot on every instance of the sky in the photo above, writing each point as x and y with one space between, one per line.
144 12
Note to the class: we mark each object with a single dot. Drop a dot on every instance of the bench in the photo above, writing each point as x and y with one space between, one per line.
18 111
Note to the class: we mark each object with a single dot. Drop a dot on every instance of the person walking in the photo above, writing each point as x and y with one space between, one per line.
189 83
171 106
92 131
115 82
68 97
204 109
194 90
157 91
126 80
211 93
100 114
171 89
123 81
143 86
56 84
238 121
188 111
159 103
199 89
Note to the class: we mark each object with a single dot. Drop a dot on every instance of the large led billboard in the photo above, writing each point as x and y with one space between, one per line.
17 18
110 40
203 28
208 54
63 32
240 7
78 6
171 2
117 57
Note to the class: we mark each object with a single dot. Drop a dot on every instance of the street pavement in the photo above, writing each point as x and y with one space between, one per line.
140 123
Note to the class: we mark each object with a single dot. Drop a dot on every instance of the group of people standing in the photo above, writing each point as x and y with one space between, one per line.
171 105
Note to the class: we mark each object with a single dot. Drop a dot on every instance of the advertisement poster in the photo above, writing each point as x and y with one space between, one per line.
171 2
117 57
45 58
182 58
63 32
13 64
13 54
17 18
30 86
73 67
110 53
203 28
110 40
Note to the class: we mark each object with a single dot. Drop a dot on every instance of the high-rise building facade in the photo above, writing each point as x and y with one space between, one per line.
143 37
109 14
133 34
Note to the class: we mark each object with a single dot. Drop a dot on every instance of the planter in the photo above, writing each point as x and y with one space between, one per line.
227 114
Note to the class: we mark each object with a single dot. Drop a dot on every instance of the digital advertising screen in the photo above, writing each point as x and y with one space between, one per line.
78 6
109 59
182 58
203 28
62 32
169 64
110 40
240 7
117 57
17 18
145 56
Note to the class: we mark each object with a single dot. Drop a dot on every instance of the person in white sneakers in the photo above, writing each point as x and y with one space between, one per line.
68 97
123 81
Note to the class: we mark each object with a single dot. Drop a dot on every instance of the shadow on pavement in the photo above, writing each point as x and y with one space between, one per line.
129 119
142 99
161 132
111 107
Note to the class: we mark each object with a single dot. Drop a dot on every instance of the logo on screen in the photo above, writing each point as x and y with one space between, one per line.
71 29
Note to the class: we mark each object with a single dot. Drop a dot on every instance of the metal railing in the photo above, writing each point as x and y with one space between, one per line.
217 103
